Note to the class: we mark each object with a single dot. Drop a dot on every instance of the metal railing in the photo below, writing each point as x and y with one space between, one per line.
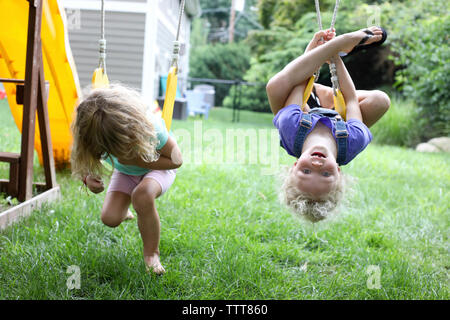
237 92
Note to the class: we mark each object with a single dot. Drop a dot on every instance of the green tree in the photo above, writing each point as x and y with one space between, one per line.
216 14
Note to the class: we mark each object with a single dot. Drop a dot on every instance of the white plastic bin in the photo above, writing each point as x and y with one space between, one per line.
208 91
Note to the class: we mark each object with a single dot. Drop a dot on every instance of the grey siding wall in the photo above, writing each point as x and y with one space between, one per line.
164 42
124 46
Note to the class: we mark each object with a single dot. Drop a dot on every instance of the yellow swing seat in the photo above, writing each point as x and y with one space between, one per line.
169 101
339 104
307 92
100 79
338 99
172 77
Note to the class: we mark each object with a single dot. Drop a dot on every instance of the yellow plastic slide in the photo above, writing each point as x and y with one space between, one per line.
59 69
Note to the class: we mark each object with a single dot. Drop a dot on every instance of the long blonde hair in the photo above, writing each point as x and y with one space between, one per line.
110 121
303 206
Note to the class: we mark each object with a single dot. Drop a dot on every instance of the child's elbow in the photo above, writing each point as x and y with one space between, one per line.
272 85
177 158
178 164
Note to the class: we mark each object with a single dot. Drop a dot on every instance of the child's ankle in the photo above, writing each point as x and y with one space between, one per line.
151 254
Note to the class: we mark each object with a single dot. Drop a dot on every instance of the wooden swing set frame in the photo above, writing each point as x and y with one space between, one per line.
32 94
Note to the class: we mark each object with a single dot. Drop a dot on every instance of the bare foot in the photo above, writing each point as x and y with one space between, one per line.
377 35
153 264
129 216
360 34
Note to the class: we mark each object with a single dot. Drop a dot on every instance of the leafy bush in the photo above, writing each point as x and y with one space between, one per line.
220 61
272 50
285 13
422 50
252 97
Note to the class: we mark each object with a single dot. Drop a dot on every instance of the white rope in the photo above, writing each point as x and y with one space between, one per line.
319 22
102 41
334 77
333 20
176 43
180 16
103 20
319 19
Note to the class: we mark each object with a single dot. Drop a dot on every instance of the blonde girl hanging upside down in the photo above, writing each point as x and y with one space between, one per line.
318 137
111 125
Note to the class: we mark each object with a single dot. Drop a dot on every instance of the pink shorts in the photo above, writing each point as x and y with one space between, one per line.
126 183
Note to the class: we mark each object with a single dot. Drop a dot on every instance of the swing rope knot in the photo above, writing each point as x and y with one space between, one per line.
176 43
102 53
334 78
175 53
102 45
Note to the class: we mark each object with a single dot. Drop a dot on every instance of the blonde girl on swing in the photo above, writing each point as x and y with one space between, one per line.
317 136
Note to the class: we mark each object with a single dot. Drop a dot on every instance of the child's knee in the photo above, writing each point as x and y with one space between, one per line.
142 199
110 220
382 100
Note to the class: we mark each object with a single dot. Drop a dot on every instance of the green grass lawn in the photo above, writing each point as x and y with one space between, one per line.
224 234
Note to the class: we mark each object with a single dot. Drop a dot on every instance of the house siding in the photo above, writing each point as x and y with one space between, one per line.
125 36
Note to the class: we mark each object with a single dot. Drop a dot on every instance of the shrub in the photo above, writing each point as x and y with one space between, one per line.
220 61
421 49
252 97
399 126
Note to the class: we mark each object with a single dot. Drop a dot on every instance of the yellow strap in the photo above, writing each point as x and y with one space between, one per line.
169 100
339 104
307 92
339 101
99 79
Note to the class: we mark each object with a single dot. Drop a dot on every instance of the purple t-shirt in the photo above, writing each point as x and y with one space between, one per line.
287 121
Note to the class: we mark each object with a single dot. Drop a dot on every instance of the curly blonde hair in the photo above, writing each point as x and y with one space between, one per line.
303 206
110 121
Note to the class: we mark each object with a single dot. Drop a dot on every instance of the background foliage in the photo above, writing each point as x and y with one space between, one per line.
422 52
216 19
220 61
413 64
